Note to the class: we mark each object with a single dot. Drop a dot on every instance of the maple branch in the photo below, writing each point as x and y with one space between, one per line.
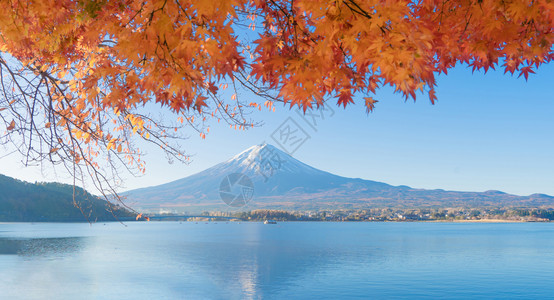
354 7
71 153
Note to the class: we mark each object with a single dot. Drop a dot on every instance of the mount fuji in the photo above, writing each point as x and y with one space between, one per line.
279 181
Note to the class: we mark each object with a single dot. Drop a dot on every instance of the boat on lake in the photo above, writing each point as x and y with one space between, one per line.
270 222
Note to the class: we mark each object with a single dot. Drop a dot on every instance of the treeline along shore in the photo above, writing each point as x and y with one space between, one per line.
507 214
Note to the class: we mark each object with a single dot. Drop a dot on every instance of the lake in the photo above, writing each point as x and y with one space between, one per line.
290 260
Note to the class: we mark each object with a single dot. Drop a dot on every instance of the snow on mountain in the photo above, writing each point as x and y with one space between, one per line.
281 181
273 172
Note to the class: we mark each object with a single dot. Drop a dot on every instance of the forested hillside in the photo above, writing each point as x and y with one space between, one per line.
52 202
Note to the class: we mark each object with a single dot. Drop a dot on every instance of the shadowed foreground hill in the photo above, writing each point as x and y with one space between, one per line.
51 202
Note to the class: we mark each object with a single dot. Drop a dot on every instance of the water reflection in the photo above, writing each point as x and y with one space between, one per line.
252 262
42 247
292 260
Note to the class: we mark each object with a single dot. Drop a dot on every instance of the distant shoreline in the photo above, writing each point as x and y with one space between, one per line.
490 221
485 221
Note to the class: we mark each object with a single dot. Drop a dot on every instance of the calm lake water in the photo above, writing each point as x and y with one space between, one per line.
169 260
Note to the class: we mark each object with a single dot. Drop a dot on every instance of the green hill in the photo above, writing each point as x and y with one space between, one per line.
52 202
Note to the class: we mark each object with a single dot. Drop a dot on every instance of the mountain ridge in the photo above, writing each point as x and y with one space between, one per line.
281 181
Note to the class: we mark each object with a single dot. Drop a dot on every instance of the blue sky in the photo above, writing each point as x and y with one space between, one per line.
487 131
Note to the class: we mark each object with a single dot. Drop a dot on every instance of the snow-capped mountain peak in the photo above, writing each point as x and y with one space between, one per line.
266 157
280 180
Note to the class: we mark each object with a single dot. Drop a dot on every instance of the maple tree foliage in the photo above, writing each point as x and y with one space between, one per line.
80 77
